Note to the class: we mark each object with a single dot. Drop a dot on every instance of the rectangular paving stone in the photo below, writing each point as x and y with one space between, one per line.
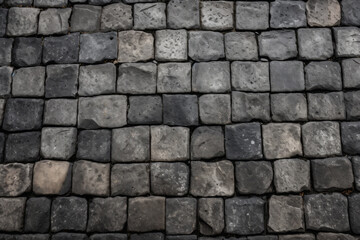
351 72
215 108
29 82
315 43
37 215
289 107
258 12
61 80
49 25
174 77
27 51
207 143
62 49
22 21
287 14
135 46
352 105
183 14
17 179
356 171
171 45
98 47
324 75
322 13
22 147
85 18
326 106
241 46
145 110
287 76
247 107
181 215
180 110
58 142
347 41
6 45
354 209
6 80
211 216
94 145
149 16
206 45
217 15
116 16
350 137
350 9
12 214
60 112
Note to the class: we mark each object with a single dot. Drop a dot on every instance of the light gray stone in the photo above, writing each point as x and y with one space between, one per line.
287 14
149 16
181 215
323 13
315 43
22 21
20 3
258 12
326 106
324 75
174 77
12 214
207 143
116 16
183 14
85 18
54 21
289 107
171 45
241 46
135 46
351 72
206 45
60 112
58 142
250 106
347 41
278 45
217 15
50 3
287 76
29 82
16 179
211 215
215 108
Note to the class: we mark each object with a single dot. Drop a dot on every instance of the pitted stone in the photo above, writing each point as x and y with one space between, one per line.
323 13
207 143
171 45
174 77
135 46
250 76
98 47
6 45
150 15
183 14
217 15
247 107
206 45
3 21
241 46
16 180
22 21
352 105
354 210
356 169
347 41
116 16
258 12
54 21
50 3
287 14
63 49
326 106
278 45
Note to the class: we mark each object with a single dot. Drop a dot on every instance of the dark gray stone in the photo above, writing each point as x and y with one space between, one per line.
326 212
94 145
325 75
145 110
97 47
6 45
335 236
326 106
109 236
180 110
354 212
21 3
85 18
3 21
2 146
181 215
63 49
107 214
315 43
23 147
247 107
54 20
304 236
350 12
258 12
29 82
170 179
6 80
117 16
207 143
12 214
350 136
16 179
37 215
22 21
150 15
217 15
238 207
58 142
323 13
61 80
352 105
69 214
264 237
287 76
243 141
25 237
135 46
130 179
356 169
27 51
60 112
347 41
174 77
50 3
287 14
182 237
69 236
253 177
206 45
23 114
241 46
278 45
289 107
351 72
215 108
211 215
183 14
147 236
171 45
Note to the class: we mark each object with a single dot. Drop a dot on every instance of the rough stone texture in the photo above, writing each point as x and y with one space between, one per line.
135 46
16 180
63 49
54 21
145 236
323 13
287 14
27 51
289 107
287 76
211 215
206 45
3 21
254 177
356 170
22 21
352 105
174 78
69 236
22 147
171 45
29 82
183 14
180 215
181 110
215 108
49 3
145 110
326 106
347 41
350 137
6 45
306 236
350 12
217 15
117 16
248 107
210 179
149 16
37 215
241 46
351 73
207 143
325 75
60 112
58 142
354 210
6 79
258 12
85 18
61 80
315 43
108 236
334 236
12 213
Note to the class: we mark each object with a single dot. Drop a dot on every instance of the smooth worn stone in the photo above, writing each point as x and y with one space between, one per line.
12 214
207 143
23 114
6 80
321 139
352 105
354 211
90 178
149 16
108 236
288 107
106 111
98 47
58 142
169 143
332 174
325 75
211 215
253 177
326 212
215 108
85 18
16 179
171 45
282 140
250 106
315 43
63 49
107 214
174 77
68 236
351 72
117 16
27 51
170 179
50 3
258 12
145 110
356 169
135 46
206 45
29 82
130 179
137 78
323 13
287 14
183 14
210 77
69 214
217 15
335 236
97 79
278 45
241 46
54 21
6 45
146 214
22 21
243 141
350 136
147 236
2 145
94 145
23 147
286 214
61 80
181 215
250 76
3 21
304 236
292 175
180 110
209 179
238 207
350 12
60 112
37 215
326 106
347 41
52 177
287 76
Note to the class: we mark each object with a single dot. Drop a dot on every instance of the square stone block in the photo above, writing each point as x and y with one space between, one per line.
29 82
278 45
241 46
215 108
145 110
217 15
181 110
85 18
98 47
287 14
347 41
250 106
12 214
352 105
58 142
258 12
207 143
48 24
60 112
350 12
324 75
37 215
149 16
171 45
22 21
350 136
174 77
211 216
23 147
62 49
323 13
27 51
135 46
6 79
183 14
326 106
206 45
61 80
16 180
94 145
351 72
116 16
289 107
287 76
181 215
315 43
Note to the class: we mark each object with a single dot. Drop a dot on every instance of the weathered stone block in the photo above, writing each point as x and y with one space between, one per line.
209 179
3 21
315 43
52 177
29 82
23 147
6 78
356 170
63 49
22 21
27 51
206 46
37 215
323 75
145 110
183 14
287 14
16 180
170 179
354 210
323 13
12 214
250 106
60 112
54 21
135 46
253 177
217 15
2 146
116 16
58 142
335 236
171 45
12 3
181 215
351 72
85 18
347 41
108 236
304 236
6 45
289 107
97 79
278 45
350 134
281 140
326 106
50 3
180 110
61 80
146 236
215 108
243 141
287 76
352 105
149 15
211 216
174 77
94 145
241 46
207 143
68 236
258 12
350 12
130 179
98 47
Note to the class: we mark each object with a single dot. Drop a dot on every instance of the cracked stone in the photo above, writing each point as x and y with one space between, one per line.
217 15
174 77
12 214
180 110
145 110
37 215
27 51
183 14
278 45
61 80
180 215
60 112
289 107
54 21
149 16
287 76
323 13
258 12
325 75
326 106
117 16
287 14
23 147
94 145
215 108
62 49
211 215
250 106
22 21
171 45
85 18
135 46
206 45
315 43
29 82
207 143
347 41
16 180
350 134
351 72
241 46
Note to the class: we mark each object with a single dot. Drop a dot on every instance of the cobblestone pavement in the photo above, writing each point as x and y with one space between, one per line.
180 120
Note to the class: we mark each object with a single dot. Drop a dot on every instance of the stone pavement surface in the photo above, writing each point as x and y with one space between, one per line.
179 120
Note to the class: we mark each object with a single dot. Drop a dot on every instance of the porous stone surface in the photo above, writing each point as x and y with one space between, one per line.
350 11
217 15
16 180
250 106
171 45
135 46
149 16
326 106
323 13
5 53
116 16
62 49
183 14
352 105
287 14
5 74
